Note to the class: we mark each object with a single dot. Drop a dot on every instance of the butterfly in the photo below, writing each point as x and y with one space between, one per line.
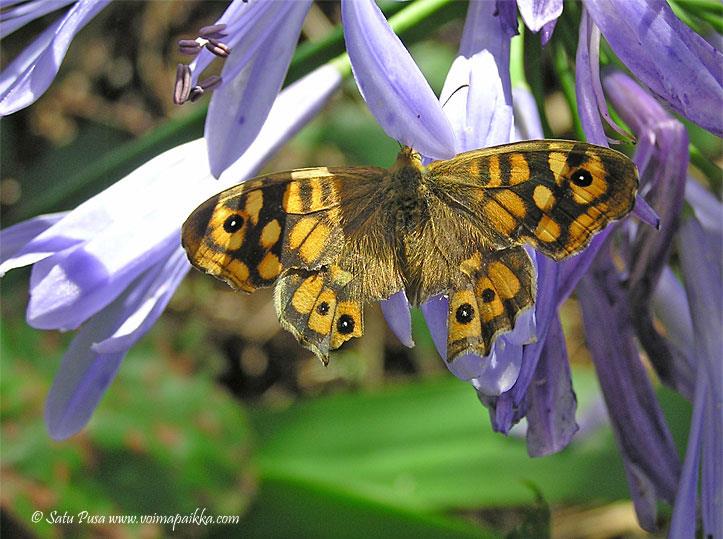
332 239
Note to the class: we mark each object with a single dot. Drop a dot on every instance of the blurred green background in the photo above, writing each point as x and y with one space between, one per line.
217 408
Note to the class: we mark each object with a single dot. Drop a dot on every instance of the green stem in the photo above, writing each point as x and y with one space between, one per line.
712 172
567 83
533 54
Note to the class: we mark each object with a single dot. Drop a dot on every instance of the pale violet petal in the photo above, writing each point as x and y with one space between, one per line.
399 318
683 520
394 89
150 304
585 83
436 311
240 106
295 106
492 374
71 286
15 237
246 24
15 18
35 78
497 372
537 13
475 102
708 209
84 375
551 401
527 117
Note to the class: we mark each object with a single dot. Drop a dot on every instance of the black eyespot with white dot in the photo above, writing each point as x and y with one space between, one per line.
345 324
488 295
582 177
233 223
465 313
323 308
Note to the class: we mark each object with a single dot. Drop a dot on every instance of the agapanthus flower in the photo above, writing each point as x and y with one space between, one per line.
32 72
503 379
87 274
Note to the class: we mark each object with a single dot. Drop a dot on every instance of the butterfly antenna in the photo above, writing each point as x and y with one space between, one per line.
452 94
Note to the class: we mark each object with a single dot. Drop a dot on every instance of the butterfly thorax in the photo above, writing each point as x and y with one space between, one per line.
406 192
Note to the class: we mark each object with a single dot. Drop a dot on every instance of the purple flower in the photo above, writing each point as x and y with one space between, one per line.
624 302
674 62
27 77
87 274
701 262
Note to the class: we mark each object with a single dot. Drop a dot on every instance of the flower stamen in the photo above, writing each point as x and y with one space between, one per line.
182 87
207 84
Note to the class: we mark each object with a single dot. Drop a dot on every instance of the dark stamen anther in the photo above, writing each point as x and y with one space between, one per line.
210 83
218 48
182 86
195 94
191 47
214 31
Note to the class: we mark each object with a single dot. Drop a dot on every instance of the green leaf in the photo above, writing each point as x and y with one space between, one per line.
427 446
288 507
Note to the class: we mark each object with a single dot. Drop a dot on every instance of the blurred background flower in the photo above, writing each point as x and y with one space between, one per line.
118 84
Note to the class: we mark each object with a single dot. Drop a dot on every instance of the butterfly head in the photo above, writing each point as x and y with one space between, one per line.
408 157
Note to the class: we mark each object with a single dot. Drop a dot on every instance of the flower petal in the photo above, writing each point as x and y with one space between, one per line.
677 64
14 238
240 105
150 302
492 374
551 402
399 318
71 286
648 449
708 209
30 75
394 89
537 13
84 375
683 520
701 258
527 118
95 260
585 84
476 103
246 23
19 16
664 147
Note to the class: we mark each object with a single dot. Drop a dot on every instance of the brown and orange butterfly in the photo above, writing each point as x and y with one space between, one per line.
333 239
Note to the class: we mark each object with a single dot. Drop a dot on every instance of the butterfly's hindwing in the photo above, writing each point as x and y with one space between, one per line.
319 309
501 287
